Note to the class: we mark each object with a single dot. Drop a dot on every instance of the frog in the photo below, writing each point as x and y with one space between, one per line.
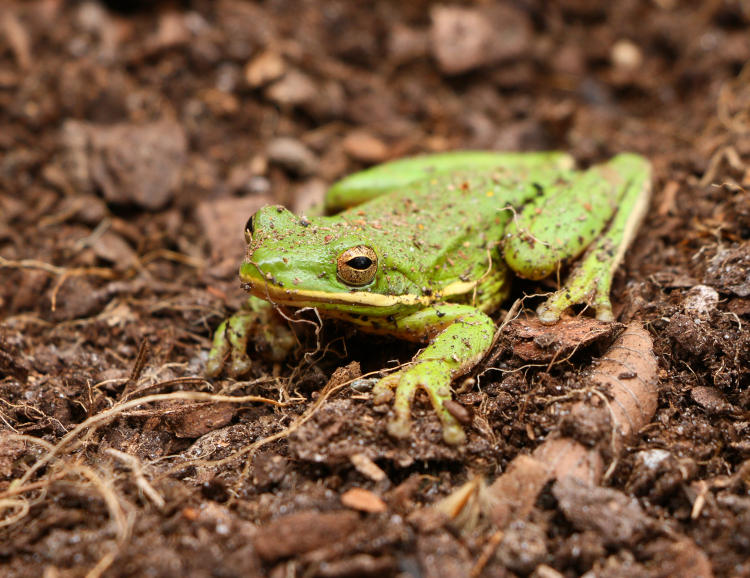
424 249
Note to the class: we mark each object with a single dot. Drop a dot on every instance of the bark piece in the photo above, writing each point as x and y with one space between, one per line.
303 532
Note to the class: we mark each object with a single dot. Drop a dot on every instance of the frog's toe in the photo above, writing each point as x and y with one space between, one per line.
219 352
547 314
604 313
453 434
237 332
382 391
433 377
399 428
229 348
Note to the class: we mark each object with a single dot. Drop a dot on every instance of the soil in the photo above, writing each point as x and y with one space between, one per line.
136 138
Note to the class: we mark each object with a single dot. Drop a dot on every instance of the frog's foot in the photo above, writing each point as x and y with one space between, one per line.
272 340
229 349
583 287
434 377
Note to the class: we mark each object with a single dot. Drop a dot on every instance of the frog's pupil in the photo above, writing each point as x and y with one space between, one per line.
360 263
249 225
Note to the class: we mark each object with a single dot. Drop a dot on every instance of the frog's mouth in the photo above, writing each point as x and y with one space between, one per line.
275 293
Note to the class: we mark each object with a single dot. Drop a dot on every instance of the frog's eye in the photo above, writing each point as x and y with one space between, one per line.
357 266
249 230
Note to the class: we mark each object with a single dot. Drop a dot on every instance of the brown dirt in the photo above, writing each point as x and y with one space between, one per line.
135 140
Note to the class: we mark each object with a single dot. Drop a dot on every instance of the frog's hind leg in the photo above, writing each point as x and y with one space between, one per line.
591 280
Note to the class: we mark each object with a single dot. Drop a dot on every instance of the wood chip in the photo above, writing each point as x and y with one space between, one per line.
367 467
363 500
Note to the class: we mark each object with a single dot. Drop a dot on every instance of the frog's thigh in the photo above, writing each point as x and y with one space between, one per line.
560 223
591 279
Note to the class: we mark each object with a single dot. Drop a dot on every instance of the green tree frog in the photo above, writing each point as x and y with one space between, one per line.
424 248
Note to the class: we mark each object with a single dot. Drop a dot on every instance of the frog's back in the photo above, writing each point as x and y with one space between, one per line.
396 175
454 207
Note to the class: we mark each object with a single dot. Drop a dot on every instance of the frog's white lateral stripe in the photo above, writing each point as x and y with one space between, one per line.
293 297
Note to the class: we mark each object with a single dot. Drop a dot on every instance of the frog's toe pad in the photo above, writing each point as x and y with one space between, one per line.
453 434
399 428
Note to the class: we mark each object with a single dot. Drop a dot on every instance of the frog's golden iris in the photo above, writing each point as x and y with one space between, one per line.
357 266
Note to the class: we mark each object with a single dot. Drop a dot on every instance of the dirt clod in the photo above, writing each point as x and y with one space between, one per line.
618 519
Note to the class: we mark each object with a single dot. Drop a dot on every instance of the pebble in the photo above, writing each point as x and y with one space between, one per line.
463 39
700 300
293 89
264 68
626 55
365 147
292 155
129 163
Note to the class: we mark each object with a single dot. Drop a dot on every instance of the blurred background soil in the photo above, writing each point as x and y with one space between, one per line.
136 138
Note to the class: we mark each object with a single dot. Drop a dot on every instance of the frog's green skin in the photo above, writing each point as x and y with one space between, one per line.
447 231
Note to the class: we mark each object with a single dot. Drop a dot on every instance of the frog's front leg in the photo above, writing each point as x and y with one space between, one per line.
463 336
256 322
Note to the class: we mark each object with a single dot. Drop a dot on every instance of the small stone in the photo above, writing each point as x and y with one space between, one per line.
245 178
616 517
463 39
363 146
626 55
113 248
406 44
172 30
365 466
700 300
292 155
710 399
462 414
128 163
264 68
294 89
197 419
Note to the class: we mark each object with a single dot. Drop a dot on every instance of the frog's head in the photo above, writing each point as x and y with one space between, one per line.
340 266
